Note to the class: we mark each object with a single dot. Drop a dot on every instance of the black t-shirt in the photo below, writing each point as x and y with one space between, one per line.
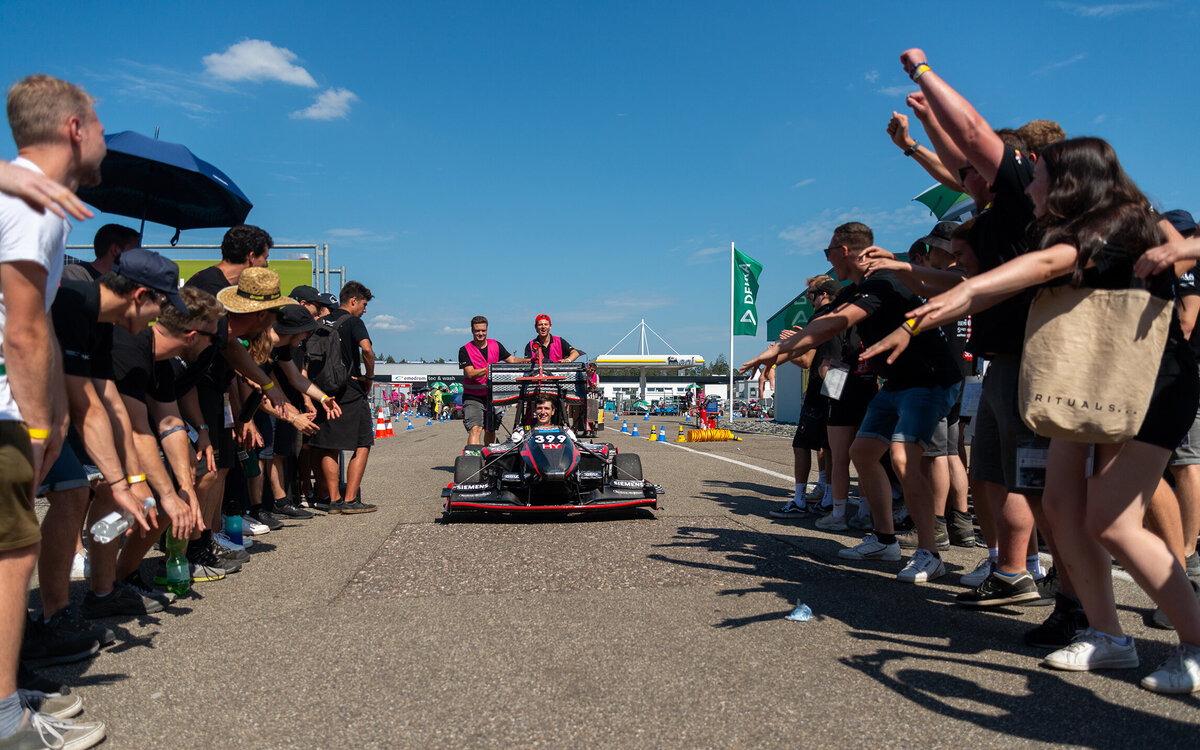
286 354
134 368
464 360
86 343
211 280
566 349
829 349
927 361
958 333
185 375
1185 286
351 332
999 235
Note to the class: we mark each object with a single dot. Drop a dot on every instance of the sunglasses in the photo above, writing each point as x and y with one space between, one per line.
829 250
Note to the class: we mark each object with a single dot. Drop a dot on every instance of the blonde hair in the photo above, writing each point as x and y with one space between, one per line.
38 105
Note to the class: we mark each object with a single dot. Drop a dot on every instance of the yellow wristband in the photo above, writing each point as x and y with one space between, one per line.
911 324
920 70
37 434
269 385
136 478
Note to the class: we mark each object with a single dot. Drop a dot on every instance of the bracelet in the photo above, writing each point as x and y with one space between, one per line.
911 325
919 70
912 149
38 434
201 427
136 478
325 398
115 482
176 428
270 384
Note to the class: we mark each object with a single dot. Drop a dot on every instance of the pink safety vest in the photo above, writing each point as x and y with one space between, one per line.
478 386
554 355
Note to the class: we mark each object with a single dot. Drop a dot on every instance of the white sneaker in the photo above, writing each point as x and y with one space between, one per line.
253 527
80 566
815 492
980 574
830 522
1179 674
921 567
226 542
871 549
1091 650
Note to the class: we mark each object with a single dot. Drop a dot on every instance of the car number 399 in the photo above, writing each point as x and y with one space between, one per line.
550 441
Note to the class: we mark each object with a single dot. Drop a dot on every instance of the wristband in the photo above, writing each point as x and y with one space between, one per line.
911 325
270 384
136 478
176 428
201 427
919 70
38 434
912 149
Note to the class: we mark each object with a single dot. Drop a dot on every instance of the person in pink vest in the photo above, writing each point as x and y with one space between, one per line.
474 358
553 348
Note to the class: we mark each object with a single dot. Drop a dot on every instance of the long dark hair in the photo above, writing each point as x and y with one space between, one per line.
1092 204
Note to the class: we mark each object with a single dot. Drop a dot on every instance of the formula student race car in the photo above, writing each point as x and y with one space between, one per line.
544 469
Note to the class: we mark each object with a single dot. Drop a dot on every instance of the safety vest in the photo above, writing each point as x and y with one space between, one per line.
555 354
478 386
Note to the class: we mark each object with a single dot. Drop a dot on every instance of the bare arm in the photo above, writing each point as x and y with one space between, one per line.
240 360
41 192
964 126
816 333
368 358
146 442
29 354
898 130
90 416
178 451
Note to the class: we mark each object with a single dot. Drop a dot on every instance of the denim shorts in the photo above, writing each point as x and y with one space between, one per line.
67 473
908 416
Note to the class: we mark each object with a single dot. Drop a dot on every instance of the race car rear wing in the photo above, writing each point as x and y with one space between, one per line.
505 387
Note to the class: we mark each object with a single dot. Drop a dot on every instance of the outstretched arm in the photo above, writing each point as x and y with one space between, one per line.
898 130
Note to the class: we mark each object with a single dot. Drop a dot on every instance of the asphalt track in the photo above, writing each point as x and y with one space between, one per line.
662 629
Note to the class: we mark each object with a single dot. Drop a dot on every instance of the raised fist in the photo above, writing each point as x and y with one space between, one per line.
911 58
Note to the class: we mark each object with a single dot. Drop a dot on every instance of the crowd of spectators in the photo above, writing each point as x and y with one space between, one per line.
889 352
201 413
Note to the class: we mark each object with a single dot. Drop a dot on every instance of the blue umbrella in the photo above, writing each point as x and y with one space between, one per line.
148 179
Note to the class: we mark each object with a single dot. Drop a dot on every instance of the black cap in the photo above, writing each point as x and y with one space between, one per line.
327 300
939 236
151 270
305 293
294 319
1181 220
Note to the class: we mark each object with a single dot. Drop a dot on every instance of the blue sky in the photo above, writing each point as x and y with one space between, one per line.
594 160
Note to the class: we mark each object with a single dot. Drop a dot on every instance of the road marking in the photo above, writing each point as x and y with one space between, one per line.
775 474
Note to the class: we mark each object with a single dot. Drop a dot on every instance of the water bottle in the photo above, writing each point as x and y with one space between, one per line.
233 528
179 575
249 461
116 523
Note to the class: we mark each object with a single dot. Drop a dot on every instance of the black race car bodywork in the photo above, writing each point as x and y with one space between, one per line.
545 468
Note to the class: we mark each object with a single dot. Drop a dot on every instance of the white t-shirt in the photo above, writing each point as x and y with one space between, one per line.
26 235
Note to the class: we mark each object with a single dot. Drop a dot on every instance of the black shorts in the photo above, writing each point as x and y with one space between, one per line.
810 428
354 429
212 408
1173 403
848 411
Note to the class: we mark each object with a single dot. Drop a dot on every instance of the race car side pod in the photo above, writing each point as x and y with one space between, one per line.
710 436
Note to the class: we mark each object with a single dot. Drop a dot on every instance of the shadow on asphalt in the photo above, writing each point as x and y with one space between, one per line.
532 517
899 621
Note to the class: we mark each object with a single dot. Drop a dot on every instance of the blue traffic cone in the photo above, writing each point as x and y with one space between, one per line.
409 426
625 427
662 434
635 429
647 417
687 417
429 421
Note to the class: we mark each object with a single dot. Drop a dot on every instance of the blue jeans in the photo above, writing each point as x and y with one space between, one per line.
910 415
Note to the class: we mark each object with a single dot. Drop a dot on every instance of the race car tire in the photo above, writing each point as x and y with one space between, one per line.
468 469
627 466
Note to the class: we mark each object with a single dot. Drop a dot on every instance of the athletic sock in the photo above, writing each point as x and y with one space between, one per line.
1123 641
993 554
839 508
1033 564
999 572
799 498
827 498
11 712
821 477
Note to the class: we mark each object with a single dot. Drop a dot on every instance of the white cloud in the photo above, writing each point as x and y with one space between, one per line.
389 323
1107 10
1060 64
331 104
258 60
806 181
1099 119
872 76
902 90
358 234
451 330
707 255
813 236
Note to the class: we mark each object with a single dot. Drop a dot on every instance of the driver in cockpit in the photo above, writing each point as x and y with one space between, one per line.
543 413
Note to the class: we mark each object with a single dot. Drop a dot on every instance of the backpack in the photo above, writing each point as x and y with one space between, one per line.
326 365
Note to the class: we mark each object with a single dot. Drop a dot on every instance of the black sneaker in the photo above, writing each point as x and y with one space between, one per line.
264 516
940 537
1048 587
321 504
135 582
122 601
289 510
56 642
335 507
1060 627
961 528
203 555
998 590
235 555
358 506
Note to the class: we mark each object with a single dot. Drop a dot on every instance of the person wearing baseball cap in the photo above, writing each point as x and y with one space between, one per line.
328 302
151 270
553 348
307 296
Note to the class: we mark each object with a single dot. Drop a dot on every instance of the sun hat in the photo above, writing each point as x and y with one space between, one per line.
257 289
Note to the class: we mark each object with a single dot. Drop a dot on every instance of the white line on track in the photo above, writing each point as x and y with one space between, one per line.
775 474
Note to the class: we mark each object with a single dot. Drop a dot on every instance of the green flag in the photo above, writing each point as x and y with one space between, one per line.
745 294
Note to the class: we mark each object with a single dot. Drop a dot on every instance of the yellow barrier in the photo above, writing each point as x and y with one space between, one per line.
710 436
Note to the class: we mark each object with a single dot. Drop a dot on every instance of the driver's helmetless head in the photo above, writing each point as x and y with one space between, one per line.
543 410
